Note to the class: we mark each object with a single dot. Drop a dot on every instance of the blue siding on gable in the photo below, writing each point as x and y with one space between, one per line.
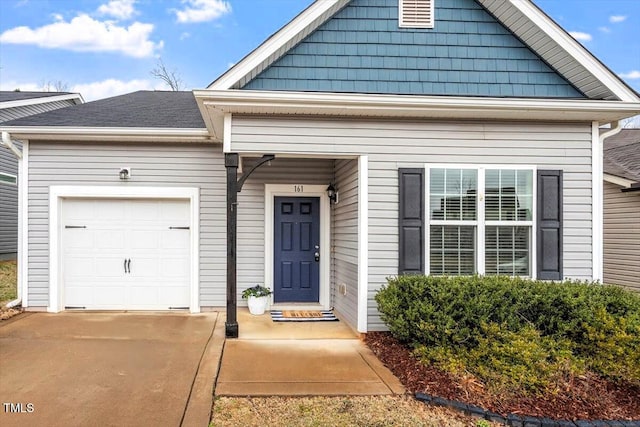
362 49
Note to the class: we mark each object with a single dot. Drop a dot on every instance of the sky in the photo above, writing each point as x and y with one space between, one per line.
102 48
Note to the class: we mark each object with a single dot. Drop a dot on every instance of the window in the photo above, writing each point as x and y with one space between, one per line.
5 178
416 13
480 220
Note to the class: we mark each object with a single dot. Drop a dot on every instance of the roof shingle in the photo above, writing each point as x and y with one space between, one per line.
142 109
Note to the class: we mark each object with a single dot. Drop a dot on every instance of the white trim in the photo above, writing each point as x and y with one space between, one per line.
597 187
622 182
226 137
215 103
268 51
57 192
68 133
287 190
363 243
481 225
13 177
76 97
574 49
23 225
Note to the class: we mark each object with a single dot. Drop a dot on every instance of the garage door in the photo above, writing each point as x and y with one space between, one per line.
125 254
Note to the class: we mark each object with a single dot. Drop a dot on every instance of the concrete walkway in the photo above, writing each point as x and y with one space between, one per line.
298 359
109 369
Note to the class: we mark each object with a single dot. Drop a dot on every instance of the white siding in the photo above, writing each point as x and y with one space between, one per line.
344 237
170 165
28 110
394 144
621 237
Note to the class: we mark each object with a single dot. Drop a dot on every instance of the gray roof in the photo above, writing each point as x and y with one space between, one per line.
142 109
622 155
6 96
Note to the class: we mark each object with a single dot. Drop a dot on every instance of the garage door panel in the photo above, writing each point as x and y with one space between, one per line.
94 274
109 210
175 240
145 239
78 239
110 239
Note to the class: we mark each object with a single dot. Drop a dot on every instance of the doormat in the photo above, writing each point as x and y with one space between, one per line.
303 316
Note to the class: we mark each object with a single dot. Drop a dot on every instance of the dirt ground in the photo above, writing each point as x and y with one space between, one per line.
375 411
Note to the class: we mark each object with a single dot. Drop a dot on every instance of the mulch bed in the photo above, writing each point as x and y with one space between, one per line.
588 397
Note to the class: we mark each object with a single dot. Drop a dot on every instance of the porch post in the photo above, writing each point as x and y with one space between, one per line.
231 163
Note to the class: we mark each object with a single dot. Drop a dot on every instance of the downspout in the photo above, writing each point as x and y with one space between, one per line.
6 141
598 195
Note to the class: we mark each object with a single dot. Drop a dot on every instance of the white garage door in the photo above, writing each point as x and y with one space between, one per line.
125 254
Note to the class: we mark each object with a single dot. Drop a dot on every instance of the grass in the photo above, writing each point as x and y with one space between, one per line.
375 411
8 281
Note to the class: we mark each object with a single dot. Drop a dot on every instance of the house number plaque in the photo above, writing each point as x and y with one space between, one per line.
298 188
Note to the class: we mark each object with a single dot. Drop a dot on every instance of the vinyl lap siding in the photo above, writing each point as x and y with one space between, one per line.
166 165
344 230
621 237
8 204
28 110
394 144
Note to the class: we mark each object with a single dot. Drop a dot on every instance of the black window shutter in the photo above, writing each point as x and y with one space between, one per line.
549 225
411 221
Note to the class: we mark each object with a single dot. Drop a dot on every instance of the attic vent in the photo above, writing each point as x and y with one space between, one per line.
416 13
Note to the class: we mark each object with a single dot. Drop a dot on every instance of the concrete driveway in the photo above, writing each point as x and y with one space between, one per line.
120 369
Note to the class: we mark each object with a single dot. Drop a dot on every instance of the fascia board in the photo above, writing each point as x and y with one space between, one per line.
622 182
106 134
269 102
575 50
77 98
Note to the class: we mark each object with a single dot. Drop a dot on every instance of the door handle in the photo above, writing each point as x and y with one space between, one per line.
125 266
129 265
317 256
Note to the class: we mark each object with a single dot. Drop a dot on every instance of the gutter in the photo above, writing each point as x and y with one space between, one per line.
6 141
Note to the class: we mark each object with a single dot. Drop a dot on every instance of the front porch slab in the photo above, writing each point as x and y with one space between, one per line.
300 359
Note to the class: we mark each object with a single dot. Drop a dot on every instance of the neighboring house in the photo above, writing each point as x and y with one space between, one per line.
622 209
465 139
14 105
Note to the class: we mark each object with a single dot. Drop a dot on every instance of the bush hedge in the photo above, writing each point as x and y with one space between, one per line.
514 333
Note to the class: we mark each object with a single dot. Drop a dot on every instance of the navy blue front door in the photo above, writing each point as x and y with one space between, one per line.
296 241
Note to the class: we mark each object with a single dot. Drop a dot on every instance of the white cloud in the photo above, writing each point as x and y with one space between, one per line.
583 37
85 34
120 9
605 29
93 90
112 87
202 10
631 75
617 18
184 36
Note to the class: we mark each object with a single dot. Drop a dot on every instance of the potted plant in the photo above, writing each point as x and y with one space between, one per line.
257 298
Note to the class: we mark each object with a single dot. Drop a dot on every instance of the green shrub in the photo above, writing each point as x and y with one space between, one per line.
516 333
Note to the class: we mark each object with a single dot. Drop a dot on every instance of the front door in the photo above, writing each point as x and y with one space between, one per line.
296 249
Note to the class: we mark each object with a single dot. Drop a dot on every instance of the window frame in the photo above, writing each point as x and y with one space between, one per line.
428 25
13 179
481 223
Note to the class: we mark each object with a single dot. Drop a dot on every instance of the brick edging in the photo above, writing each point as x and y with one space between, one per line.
517 420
